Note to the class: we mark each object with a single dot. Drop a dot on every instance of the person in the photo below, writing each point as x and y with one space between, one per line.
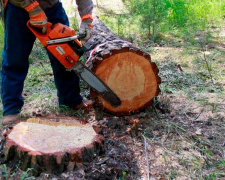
18 43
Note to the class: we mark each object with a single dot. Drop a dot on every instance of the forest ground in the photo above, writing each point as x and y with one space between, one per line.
184 130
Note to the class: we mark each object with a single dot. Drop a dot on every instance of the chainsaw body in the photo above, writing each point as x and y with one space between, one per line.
61 41
58 42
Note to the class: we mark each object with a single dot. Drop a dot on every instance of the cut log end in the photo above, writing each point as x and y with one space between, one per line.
52 145
132 77
125 68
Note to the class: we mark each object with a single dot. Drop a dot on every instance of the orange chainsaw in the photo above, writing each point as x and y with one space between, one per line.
61 41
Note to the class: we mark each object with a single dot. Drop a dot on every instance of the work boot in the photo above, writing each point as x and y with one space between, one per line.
85 104
10 119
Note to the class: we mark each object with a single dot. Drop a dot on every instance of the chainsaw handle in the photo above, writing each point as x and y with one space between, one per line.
35 30
42 37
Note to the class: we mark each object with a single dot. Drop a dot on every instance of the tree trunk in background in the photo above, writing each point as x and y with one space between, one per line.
125 68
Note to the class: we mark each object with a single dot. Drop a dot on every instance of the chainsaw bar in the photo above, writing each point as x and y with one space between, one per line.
96 84
61 42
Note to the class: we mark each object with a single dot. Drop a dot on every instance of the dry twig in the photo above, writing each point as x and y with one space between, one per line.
204 48
146 156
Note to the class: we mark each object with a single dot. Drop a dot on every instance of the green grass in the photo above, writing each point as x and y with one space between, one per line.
149 19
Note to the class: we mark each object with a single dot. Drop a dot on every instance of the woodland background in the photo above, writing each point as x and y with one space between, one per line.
185 129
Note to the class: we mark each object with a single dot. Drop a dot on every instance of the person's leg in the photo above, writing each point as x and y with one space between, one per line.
18 43
67 83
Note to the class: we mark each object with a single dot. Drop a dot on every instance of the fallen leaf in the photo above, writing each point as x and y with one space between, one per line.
198 132
64 175
123 138
113 136
142 115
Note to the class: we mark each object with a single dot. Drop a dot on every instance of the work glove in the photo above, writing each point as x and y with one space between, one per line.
37 16
86 26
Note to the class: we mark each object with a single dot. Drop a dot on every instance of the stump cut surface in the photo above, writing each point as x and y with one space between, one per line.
42 138
55 144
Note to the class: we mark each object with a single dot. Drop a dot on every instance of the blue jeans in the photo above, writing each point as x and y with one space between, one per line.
18 44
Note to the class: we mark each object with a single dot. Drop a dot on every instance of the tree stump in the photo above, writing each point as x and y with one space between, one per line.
55 144
125 68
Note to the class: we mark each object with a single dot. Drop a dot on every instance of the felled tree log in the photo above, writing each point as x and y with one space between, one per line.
54 144
125 68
